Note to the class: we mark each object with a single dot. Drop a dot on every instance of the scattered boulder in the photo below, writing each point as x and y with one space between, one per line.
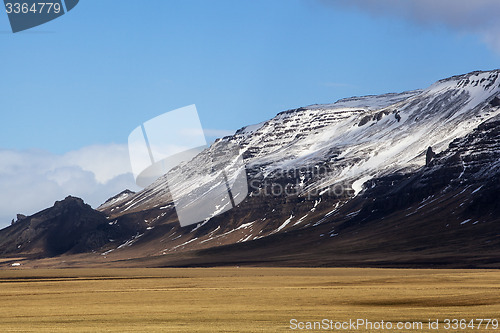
398 117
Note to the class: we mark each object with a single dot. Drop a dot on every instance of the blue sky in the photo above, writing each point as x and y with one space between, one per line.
73 89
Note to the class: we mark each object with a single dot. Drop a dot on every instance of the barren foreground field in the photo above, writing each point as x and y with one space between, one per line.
243 299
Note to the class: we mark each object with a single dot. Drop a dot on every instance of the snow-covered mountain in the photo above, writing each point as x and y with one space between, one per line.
354 139
415 169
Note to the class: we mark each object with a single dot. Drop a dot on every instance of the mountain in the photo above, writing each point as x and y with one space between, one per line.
404 180
70 226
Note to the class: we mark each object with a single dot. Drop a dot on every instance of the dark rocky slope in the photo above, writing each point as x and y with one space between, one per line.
70 226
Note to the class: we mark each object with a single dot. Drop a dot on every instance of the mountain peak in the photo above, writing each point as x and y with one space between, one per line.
116 198
69 200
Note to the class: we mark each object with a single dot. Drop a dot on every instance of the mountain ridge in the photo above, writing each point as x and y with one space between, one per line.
363 190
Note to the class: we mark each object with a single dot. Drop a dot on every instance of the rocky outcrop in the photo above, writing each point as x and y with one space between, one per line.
70 226
429 155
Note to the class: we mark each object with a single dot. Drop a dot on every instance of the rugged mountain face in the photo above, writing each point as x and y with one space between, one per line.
444 214
352 139
70 226
407 179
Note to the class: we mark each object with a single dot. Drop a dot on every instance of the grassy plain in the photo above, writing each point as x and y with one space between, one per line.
238 299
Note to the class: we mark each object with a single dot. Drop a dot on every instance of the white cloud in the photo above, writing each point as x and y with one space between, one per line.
104 161
478 17
33 180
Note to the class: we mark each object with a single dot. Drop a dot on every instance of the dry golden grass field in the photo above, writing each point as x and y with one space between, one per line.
241 299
